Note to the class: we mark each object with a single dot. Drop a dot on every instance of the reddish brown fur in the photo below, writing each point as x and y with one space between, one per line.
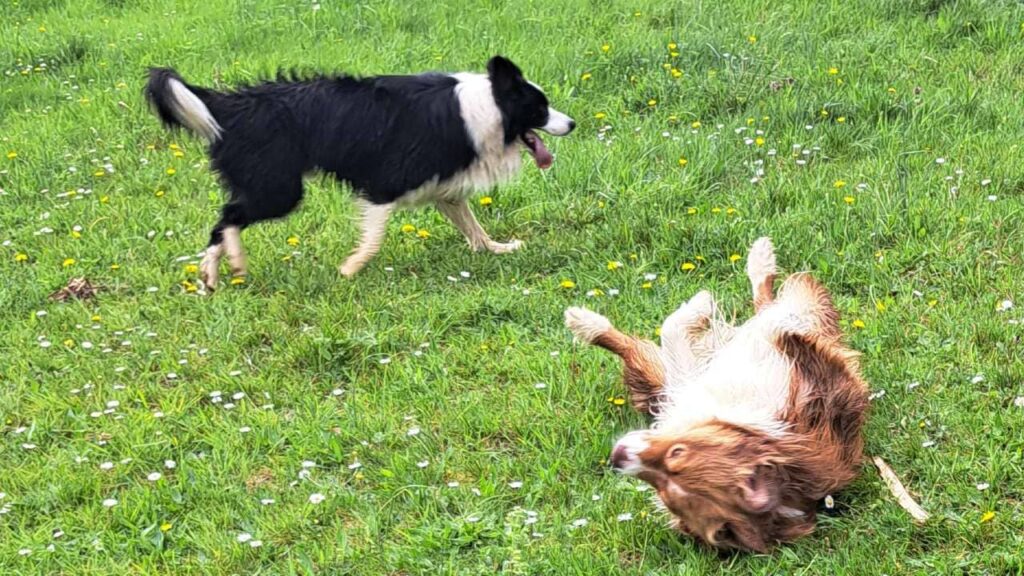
738 487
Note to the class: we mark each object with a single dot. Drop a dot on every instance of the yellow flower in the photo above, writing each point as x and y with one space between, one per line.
674 54
652 102
115 266
841 119
294 240
987 516
647 285
191 269
159 193
619 401
824 113
237 280
676 73
96 318
21 257
165 527
600 203
189 287
716 210
697 257
104 199
730 211
880 306
12 155
600 115
69 343
486 201
586 76
42 28
839 183
687 266
759 141
614 264
932 303
752 39
68 262
859 324
848 199
657 331
890 90
605 48
673 118
735 258
695 124
672 46
171 171
633 256
179 154
691 211
597 292
567 284
683 161
423 233
833 70
99 173
408 228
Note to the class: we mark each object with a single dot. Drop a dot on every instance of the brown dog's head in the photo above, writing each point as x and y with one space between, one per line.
722 483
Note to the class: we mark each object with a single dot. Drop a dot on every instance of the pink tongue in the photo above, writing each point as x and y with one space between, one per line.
540 153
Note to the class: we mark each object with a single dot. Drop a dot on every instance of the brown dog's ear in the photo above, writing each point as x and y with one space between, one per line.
749 537
503 72
761 489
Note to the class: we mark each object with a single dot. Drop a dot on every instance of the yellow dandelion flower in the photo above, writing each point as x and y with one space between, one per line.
716 210
848 199
687 266
104 199
859 324
673 118
619 401
987 516
932 303
115 267
586 76
647 285
12 155
695 124
752 39
159 194
600 203
486 201
68 262
423 233
188 286
614 264
600 115
165 527
606 48
597 292
294 240
69 343
191 269
839 183
750 121
890 90
99 173
96 318
823 113
691 211
567 284
730 211
672 46
833 70
21 257
652 102
657 331
179 154
673 54
171 171
237 280
880 306
683 161
677 73
841 119
174 146
735 258
76 234
759 141
408 228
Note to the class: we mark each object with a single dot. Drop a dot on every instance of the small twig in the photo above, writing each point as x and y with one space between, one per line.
902 496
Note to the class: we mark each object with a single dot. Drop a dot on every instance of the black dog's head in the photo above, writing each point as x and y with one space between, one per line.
524 109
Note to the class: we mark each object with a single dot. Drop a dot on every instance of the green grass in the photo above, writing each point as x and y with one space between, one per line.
920 255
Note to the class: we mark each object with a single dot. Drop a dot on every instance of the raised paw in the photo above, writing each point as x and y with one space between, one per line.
761 260
350 268
209 269
690 318
586 325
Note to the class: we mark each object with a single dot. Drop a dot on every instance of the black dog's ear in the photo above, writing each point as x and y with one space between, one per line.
503 72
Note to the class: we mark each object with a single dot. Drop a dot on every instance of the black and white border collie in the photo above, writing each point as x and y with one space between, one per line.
399 141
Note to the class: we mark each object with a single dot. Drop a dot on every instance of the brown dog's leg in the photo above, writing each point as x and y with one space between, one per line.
761 270
643 367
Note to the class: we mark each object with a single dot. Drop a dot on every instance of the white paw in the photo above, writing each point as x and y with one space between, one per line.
209 271
499 248
586 325
761 260
350 268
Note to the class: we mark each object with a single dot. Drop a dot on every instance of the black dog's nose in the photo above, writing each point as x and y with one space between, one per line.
572 125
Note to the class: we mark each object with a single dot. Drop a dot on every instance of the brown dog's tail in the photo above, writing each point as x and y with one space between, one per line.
644 371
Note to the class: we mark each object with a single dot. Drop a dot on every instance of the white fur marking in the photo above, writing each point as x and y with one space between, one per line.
632 444
233 248
558 124
209 267
462 217
374 224
587 326
761 261
190 111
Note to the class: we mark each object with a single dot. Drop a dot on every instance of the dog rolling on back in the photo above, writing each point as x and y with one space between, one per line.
753 424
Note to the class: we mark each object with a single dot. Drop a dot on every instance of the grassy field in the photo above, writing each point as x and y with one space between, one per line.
436 404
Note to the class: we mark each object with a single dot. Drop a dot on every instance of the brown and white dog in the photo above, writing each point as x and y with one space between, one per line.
753 424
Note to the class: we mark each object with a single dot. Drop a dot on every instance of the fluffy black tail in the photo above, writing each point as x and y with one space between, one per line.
178 104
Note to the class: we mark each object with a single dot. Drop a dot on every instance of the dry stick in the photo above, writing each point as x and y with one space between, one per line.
902 496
